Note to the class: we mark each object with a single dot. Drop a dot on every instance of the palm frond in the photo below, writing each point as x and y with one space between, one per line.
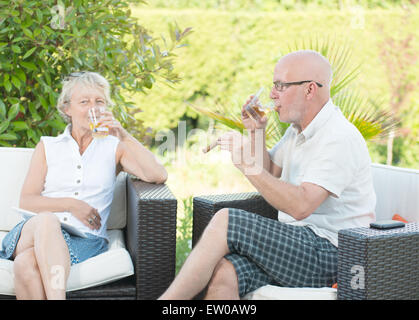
366 114
339 84
339 56
228 120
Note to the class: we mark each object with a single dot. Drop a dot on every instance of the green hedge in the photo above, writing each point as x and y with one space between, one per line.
271 5
231 54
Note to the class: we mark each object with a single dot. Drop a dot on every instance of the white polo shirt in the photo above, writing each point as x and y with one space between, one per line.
329 152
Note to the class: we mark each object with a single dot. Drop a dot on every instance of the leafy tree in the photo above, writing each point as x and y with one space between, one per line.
42 41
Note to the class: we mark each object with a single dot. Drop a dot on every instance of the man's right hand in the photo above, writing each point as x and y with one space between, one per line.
251 124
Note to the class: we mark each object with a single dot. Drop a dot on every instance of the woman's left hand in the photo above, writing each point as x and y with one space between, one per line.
115 127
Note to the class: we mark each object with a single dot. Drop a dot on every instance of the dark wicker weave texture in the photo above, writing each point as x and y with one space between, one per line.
152 237
376 264
206 206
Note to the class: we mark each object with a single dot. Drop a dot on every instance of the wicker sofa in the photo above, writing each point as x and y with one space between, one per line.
140 263
388 259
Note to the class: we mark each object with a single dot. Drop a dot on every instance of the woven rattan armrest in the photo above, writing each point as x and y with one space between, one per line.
151 236
378 264
204 207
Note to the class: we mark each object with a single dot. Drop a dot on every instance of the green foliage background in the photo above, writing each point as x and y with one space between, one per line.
232 53
273 5
43 41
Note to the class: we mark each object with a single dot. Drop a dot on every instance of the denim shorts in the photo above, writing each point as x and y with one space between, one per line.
80 249
265 251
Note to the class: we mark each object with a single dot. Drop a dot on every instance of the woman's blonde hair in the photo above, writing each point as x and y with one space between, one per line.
86 78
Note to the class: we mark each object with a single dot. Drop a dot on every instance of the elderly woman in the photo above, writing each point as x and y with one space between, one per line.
72 177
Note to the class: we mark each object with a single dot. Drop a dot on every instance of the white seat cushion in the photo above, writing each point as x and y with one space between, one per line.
109 266
281 293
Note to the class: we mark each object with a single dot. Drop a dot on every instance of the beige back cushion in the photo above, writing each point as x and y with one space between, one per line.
14 164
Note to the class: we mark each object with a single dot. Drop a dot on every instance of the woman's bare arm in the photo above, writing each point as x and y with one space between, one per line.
30 195
136 159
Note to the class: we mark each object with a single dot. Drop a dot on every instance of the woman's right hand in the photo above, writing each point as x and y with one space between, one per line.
86 214
251 124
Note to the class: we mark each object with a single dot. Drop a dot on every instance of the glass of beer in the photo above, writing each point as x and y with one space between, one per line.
95 115
255 109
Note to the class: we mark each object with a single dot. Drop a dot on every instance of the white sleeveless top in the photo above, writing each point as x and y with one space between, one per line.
89 177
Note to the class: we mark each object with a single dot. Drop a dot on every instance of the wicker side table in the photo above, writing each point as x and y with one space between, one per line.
379 264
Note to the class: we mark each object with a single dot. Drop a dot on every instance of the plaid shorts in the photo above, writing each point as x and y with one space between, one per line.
265 251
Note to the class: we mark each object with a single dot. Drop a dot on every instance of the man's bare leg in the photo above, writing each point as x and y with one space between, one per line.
224 284
199 266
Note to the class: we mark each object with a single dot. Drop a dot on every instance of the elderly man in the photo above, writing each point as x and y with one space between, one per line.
317 176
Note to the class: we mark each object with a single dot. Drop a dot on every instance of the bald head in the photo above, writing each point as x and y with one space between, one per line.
300 103
306 65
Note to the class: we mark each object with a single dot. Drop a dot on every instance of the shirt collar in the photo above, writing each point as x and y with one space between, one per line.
66 134
319 120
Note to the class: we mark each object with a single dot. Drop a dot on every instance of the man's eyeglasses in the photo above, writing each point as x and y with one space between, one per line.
281 86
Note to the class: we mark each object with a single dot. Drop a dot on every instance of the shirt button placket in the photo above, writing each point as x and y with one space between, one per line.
78 181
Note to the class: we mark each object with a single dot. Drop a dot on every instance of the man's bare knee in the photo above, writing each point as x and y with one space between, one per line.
219 220
221 214
216 232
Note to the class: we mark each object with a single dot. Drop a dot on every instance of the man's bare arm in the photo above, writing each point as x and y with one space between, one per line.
298 201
